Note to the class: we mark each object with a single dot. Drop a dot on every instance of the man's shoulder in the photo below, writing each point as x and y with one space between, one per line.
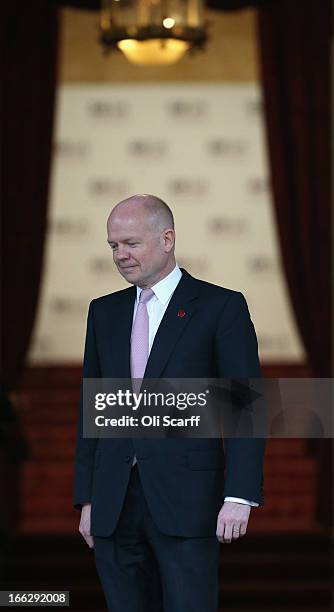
212 290
220 299
114 297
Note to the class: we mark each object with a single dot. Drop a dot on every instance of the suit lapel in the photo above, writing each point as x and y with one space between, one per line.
180 309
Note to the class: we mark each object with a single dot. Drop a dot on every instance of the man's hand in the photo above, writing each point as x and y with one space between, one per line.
84 526
232 521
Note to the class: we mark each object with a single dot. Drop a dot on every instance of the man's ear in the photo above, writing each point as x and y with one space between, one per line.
168 238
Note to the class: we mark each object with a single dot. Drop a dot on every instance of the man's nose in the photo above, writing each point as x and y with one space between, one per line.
122 253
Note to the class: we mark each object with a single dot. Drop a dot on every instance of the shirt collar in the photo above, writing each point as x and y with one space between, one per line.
166 286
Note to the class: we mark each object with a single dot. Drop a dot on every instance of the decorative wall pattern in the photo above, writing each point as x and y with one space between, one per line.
199 147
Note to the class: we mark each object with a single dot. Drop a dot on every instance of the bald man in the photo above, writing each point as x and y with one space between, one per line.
155 510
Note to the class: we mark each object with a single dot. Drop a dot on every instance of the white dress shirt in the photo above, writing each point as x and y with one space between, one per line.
156 308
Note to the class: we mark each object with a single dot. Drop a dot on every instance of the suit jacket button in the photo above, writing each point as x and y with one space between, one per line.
127 458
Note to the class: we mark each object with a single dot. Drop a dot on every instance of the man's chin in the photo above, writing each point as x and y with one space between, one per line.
130 274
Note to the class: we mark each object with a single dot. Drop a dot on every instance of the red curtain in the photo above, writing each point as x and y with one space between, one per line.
295 57
27 119
294 54
295 63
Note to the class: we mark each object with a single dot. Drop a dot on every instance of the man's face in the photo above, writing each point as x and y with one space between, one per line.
139 250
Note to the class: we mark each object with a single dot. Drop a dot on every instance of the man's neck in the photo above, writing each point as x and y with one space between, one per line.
163 274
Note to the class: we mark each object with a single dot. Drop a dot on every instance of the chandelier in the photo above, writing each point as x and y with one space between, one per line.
152 32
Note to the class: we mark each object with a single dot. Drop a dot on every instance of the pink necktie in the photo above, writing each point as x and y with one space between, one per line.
140 339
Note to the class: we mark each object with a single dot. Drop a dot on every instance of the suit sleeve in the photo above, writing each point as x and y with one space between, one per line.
237 357
86 447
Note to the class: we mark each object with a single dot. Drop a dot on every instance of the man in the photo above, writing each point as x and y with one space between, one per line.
155 510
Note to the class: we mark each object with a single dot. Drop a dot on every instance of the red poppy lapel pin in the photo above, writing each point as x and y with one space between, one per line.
181 313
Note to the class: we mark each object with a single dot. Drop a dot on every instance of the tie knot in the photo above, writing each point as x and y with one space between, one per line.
145 296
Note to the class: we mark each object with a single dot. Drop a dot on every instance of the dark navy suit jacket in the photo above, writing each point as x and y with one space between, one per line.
184 480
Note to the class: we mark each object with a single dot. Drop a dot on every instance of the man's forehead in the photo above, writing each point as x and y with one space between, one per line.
123 236
121 232
128 219
121 220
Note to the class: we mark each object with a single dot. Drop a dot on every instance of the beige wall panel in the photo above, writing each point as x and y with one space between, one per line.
191 133
198 146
